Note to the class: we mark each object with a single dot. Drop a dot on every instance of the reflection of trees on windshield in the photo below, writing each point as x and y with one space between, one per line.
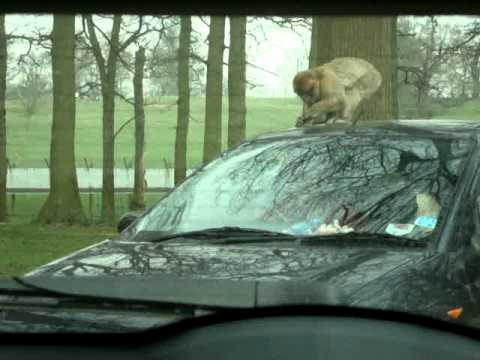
363 180
343 175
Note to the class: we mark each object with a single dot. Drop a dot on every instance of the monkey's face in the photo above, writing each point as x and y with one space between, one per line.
312 96
306 87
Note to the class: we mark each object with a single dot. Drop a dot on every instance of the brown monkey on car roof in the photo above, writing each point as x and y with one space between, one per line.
335 90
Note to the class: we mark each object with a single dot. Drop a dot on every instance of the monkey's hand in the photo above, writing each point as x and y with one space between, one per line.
301 120
337 120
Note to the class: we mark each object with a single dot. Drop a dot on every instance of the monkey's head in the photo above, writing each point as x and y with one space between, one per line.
306 86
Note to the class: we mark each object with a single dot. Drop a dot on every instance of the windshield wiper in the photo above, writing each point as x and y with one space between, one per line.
363 239
236 235
230 232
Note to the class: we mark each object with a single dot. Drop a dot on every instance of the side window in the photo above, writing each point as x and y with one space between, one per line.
466 231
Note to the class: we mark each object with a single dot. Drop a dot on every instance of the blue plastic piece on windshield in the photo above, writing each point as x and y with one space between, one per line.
305 228
426 221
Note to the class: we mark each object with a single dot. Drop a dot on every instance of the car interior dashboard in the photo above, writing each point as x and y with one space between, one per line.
261 335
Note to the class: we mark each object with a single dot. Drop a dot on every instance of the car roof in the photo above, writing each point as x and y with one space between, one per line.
418 127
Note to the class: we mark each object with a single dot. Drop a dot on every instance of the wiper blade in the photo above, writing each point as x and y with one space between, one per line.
357 238
238 234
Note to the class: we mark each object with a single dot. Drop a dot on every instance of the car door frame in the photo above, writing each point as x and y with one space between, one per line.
469 180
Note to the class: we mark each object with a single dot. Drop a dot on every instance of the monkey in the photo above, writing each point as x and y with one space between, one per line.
334 91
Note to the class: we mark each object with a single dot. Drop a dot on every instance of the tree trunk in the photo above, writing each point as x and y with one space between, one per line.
321 41
394 66
237 81
138 197
475 73
212 143
3 125
422 109
370 38
314 42
183 109
107 78
63 203
321 45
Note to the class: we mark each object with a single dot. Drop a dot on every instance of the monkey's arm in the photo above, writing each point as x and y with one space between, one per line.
332 104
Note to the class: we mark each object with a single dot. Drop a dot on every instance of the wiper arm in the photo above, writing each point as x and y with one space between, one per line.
239 234
356 238
235 235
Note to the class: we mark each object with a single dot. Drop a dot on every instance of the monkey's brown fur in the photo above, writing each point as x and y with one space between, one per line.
336 89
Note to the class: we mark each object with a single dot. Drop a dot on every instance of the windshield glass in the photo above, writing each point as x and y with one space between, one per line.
365 183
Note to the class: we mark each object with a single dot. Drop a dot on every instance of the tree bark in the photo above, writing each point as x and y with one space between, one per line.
3 122
63 204
370 38
321 41
107 72
314 42
321 45
394 66
183 110
212 144
237 81
138 198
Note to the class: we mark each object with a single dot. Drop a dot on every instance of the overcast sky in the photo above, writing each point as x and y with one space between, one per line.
283 52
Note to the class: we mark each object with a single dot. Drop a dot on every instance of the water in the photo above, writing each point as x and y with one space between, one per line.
38 178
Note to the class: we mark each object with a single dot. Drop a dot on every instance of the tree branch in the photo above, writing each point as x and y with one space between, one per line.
97 51
123 126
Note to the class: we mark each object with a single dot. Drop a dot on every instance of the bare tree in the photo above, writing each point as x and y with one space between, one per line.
475 72
107 70
63 203
162 63
138 197
183 111
433 52
212 144
3 125
469 46
33 86
237 81
107 67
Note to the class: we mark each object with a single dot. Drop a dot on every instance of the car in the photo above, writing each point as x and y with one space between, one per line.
385 214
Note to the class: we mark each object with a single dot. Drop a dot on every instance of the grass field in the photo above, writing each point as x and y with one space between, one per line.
470 110
23 208
28 140
23 245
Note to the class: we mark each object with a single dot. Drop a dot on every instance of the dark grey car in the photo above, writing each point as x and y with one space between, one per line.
386 213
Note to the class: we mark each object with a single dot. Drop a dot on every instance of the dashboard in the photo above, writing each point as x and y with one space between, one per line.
269 337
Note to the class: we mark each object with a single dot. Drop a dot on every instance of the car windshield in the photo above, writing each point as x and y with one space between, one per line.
378 183
325 150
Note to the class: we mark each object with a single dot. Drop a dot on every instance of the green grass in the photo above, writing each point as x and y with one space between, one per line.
469 110
24 247
28 141
23 208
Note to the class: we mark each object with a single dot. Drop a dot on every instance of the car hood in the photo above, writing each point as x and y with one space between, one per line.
413 280
346 267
